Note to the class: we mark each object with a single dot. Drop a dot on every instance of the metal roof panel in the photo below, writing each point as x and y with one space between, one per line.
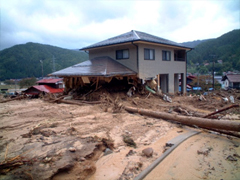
100 66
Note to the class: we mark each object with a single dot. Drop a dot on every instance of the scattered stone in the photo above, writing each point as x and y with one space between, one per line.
72 149
149 124
212 169
236 155
230 158
107 151
169 144
148 152
127 132
236 145
82 159
47 133
165 148
47 159
205 152
131 152
41 138
129 141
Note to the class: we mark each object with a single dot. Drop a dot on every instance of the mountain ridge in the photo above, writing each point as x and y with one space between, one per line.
23 60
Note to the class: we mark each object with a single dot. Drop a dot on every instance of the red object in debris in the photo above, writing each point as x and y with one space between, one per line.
34 90
49 81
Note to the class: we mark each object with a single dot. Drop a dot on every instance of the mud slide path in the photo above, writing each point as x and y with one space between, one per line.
203 156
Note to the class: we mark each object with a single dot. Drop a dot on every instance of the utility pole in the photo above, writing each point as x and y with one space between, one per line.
42 67
213 56
54 69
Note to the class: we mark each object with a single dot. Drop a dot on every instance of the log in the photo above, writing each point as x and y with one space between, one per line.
78 102
221 110
188 120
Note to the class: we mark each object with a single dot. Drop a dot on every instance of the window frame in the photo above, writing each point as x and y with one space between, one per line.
122 53
164 57
149 57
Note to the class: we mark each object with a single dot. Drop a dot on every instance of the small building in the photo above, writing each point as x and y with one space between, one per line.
56 83
46 86
135 56
231 81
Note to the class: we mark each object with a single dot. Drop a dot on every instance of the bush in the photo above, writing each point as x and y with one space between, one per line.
27 82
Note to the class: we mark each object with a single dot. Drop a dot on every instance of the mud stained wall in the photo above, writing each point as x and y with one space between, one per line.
151 68
111 52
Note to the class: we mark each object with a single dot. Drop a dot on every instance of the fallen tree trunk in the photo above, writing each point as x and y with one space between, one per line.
77 102
187 120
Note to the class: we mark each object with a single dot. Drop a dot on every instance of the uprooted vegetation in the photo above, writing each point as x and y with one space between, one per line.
66 140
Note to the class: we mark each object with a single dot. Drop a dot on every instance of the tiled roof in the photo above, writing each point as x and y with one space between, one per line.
50 81
134 36
233 77
100 66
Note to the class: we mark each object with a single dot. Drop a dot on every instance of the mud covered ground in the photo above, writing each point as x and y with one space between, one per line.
43 140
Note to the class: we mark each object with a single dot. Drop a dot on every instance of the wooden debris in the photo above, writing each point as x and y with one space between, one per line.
221 110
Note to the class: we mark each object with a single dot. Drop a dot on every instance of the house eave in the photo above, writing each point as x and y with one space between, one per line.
139 42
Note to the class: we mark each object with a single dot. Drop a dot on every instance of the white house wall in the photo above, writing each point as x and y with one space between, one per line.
111 52
151 68
147 68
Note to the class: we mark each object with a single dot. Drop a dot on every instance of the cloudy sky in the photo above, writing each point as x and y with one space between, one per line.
74 24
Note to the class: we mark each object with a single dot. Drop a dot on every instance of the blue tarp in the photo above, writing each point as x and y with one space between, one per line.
197 88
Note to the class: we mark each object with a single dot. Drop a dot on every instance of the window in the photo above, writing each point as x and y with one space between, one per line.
122 54
179 55
166 55
149 54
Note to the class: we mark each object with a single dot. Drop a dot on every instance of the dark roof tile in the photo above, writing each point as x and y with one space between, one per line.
134 36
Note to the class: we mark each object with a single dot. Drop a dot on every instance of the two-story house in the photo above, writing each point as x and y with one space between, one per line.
133 54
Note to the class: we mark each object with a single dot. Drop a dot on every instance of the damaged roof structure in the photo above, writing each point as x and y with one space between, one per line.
135 55
231 81
51 85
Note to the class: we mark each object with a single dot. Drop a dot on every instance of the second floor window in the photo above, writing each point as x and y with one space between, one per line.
122 54
149 54
166 55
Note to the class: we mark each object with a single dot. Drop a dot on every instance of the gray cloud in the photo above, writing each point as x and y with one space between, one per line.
75 24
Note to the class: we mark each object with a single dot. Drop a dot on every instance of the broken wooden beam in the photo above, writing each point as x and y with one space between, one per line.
187 120
221 110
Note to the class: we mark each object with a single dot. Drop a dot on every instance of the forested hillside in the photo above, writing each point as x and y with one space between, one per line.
193 44
23 60
225 48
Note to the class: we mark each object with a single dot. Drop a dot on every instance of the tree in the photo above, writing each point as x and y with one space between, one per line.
27 82
205 82
203 70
